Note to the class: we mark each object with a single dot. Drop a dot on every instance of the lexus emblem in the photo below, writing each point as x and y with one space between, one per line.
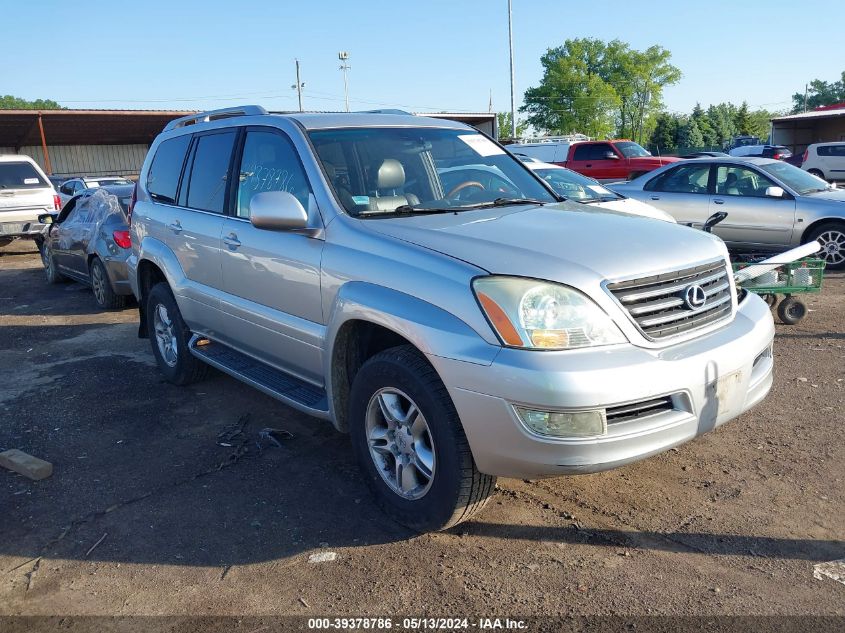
695 297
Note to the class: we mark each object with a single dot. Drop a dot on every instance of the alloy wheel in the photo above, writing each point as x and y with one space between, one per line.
165 335
98 284
833 246
400 443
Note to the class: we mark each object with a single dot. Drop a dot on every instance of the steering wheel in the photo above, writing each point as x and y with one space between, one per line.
464 185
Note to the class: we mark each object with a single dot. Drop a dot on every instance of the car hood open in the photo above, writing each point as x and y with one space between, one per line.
553 241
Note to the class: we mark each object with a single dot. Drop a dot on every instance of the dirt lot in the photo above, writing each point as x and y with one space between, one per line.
146 514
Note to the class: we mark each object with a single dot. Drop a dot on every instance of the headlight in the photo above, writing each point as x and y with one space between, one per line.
541 315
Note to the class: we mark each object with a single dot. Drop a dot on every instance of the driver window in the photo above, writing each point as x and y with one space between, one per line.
599 151
67 188
684 179
732 180
269 163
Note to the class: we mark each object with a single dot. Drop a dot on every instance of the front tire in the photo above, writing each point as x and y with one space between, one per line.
104 295
816 172
410 444
831 236
169 337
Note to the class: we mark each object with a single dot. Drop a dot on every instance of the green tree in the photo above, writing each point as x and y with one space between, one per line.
652 71
664 138
742 120
503 123
689 134
721 119
8 102
820 93
572 95
709 137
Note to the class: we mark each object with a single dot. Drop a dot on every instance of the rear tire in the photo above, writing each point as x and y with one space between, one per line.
104 295
791 310
51 272
169 337
831 235
455 489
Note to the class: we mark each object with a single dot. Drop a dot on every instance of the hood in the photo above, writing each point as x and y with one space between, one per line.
559 242
635 207
655 160
831 195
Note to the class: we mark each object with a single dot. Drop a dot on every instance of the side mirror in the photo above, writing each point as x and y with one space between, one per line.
610 155
45 218
713 220
277 211
774 192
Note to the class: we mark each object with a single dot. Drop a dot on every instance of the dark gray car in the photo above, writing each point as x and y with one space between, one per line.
771 205
89 242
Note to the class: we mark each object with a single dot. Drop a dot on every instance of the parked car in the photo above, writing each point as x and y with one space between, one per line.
778 152
74 186
549 151
320 259
741 141
603 160
25 193
573 186
771 205
89 242
825 160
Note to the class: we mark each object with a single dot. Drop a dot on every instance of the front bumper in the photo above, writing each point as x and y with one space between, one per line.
26 230
709 381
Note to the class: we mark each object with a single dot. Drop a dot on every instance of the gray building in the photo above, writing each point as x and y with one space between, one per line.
797 131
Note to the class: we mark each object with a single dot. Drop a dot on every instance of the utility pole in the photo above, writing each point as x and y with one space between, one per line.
806 87
510 46
299 85
343 56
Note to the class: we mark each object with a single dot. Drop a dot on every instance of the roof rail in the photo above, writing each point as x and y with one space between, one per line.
384 111
213 115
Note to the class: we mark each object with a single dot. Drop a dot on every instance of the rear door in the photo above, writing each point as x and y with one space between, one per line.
271 278
189 216
754 219
682 192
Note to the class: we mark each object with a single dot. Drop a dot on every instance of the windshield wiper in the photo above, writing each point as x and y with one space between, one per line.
406 209
503 202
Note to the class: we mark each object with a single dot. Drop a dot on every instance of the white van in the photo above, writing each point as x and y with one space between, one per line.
25 193
547 151
825 160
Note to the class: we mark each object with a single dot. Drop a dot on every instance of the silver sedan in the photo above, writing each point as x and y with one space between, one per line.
771 205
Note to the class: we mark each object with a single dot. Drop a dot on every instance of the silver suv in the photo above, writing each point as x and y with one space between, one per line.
458 328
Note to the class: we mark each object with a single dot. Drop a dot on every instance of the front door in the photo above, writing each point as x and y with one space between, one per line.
594 160
272 278
754 219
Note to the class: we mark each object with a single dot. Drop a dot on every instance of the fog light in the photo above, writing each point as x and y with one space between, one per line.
564 424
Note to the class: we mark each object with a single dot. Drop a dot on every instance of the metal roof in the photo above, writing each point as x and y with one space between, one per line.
813 114
83 127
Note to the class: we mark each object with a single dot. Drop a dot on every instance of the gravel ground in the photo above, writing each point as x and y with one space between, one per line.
146 514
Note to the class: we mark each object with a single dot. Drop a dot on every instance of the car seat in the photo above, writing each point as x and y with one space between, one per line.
389 181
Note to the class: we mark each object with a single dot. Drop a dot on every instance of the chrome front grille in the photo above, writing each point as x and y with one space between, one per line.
658 306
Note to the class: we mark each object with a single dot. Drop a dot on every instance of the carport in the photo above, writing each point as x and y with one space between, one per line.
69 142
821 125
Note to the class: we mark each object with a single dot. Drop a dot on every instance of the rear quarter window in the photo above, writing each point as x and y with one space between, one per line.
831 150
20 175
166 168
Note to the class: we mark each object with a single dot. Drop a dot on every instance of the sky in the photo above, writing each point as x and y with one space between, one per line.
432 55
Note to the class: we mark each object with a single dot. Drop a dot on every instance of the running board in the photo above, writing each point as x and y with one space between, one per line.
277 384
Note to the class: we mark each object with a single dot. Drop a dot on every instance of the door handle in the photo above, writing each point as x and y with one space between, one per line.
588 165
718 201
176 227
655 197
232 241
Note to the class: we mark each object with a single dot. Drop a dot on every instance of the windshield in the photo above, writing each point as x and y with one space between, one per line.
630 149
380 171
575 186
796 179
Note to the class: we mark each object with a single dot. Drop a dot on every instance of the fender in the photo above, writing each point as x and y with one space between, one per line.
156 252
431 329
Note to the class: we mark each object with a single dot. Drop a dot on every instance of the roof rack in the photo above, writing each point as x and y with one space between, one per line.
213 115
384 111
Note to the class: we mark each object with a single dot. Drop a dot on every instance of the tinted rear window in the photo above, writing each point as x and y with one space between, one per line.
831 150
163 178
207 186
20 176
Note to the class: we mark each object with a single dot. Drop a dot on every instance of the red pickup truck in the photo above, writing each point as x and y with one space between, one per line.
602 160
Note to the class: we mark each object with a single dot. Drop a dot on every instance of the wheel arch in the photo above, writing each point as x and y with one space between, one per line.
805 237
367 319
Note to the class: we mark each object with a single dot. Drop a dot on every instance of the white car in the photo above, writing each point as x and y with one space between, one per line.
70 188
825 160
578 188
25 193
